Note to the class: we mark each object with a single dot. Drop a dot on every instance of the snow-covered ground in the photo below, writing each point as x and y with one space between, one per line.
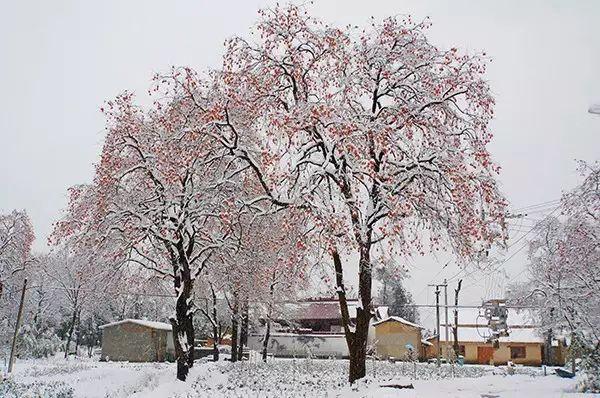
279 378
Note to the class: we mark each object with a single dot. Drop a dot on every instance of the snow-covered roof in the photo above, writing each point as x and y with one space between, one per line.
150 324
479 334
398 319
473 316
472 327
320 310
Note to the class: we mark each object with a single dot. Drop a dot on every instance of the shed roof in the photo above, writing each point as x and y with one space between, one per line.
149 324
398 319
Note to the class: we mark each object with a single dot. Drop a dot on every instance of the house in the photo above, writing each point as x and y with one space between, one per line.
136 340
523 345
311 328
316 345
318 315
395 337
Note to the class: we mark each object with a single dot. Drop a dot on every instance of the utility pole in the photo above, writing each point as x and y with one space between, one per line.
14 342
455 329
446 316
437 322
548 349
437 316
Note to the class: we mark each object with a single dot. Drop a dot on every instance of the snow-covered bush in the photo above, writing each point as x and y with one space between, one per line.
306 377
591 367
11 389
34 344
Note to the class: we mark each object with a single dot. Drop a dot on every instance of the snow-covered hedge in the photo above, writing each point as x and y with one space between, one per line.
307 377
11 389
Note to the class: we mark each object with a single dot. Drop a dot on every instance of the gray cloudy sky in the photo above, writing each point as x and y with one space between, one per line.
61 59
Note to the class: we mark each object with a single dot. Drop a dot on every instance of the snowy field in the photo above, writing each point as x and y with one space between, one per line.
279 378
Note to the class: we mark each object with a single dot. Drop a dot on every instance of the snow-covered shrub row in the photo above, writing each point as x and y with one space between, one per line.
11 389
306 377
33 344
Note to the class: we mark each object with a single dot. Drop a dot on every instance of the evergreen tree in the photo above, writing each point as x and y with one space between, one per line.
394 295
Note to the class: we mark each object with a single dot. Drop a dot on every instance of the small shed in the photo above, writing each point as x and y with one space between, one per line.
137 340
396 336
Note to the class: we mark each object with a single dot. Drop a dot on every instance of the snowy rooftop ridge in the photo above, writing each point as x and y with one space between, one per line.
398 319
150 324
478 335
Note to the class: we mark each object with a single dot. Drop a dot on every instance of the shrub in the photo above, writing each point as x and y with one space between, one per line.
11 389
38 345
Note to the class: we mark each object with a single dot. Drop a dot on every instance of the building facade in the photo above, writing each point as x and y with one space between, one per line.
136 340
311 328
524 344
397 338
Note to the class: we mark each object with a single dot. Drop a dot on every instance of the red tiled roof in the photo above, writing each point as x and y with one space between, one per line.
320 310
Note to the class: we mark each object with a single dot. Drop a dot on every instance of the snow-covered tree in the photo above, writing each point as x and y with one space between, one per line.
163 195
215 317
80 280
564 262
394 295
16 238
376 134
277 246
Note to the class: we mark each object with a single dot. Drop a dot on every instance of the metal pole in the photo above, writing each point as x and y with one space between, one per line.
14 342
437 322
446 316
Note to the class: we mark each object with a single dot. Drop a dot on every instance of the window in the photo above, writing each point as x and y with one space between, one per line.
517 352
461 350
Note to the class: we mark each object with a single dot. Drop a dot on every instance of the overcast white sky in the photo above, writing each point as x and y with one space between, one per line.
61 59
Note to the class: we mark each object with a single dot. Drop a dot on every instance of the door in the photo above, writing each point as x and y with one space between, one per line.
484 355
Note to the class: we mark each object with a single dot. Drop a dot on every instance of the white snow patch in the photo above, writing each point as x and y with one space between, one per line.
282 378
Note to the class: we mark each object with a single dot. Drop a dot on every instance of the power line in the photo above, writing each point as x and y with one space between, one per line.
542 204
259 301
494 269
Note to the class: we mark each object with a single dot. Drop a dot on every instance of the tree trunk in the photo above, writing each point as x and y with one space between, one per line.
243 331
216 337
234 330
267 334
455 328
78 333
269 315
183 326
70 334
455 335
357 340
358 355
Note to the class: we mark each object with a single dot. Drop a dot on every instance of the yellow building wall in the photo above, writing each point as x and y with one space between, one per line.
533 353
391 338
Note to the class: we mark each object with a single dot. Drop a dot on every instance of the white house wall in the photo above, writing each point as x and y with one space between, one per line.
302 345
